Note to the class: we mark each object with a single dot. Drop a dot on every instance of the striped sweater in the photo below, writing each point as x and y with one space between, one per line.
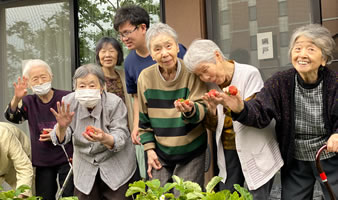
174 137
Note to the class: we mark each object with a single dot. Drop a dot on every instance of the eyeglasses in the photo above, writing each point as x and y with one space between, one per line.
126 33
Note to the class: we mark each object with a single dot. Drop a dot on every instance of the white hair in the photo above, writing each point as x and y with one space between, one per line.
157 29
201 51
33 63
320 36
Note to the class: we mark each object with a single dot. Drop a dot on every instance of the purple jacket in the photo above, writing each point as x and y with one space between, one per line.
276 100
39 116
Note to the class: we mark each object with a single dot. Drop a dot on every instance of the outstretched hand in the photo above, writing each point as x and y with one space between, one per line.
20 87
234 102
63 115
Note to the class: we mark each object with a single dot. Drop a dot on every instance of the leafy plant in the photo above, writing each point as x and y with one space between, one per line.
188 190
15 194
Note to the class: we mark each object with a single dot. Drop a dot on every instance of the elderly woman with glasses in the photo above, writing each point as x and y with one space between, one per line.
304 102
170 129
96 121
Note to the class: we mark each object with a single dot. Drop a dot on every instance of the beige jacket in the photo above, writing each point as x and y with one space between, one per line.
15 168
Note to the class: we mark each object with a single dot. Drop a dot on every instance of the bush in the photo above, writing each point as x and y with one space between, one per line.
188 190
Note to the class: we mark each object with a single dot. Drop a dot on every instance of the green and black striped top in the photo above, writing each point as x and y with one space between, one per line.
174 137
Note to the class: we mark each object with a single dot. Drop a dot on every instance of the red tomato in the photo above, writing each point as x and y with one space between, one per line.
44 132
212 92
233 90
90 129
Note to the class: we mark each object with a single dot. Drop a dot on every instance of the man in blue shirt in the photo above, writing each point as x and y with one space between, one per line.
132 23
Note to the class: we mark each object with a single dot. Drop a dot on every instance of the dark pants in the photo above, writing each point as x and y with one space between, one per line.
235 176
101 191
46 184
298 182
234 171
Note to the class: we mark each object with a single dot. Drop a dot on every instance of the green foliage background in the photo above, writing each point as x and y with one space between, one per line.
96 19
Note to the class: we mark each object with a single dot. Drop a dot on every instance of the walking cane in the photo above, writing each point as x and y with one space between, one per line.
322 173
70 173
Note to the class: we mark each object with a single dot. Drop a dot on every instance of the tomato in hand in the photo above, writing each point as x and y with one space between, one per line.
233 90
90 129
212 92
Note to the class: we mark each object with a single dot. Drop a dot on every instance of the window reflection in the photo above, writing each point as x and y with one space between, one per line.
35 31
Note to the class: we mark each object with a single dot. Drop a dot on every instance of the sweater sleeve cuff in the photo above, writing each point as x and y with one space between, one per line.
148 146
188 115
240 116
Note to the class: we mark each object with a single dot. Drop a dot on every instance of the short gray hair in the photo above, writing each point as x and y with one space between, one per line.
320 36
157 29
90 68
201 51
33 63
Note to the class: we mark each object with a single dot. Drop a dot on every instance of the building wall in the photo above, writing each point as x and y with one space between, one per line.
187 18
330 15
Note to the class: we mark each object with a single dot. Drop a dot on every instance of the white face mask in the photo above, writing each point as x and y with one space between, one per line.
42 89
88 97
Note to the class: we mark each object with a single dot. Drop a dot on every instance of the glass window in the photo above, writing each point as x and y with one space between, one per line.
34 32
96 20
245 19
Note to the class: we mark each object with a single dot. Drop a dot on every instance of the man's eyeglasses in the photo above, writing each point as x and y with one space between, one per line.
126 33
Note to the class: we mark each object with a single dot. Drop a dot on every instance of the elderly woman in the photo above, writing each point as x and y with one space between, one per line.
175 142
303 101
243 153
49 161
109 56
104 158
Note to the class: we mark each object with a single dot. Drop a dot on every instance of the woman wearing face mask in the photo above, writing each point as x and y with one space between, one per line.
49 161
104 159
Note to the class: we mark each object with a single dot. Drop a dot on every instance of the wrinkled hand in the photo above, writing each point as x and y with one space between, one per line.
20 88
211 101
45 136
185 106
332 143
135 136
63 115
97 136
153 162
234 102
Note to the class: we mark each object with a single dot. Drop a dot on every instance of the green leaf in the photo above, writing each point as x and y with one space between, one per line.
168 186
169 196
133 190
234 196
244 192
21 189
153 184
195 195
177 179
191 186
212 183
69 198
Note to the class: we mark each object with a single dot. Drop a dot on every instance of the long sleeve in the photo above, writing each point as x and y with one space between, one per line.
21 162
16 166
19 115
197 89
145 128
